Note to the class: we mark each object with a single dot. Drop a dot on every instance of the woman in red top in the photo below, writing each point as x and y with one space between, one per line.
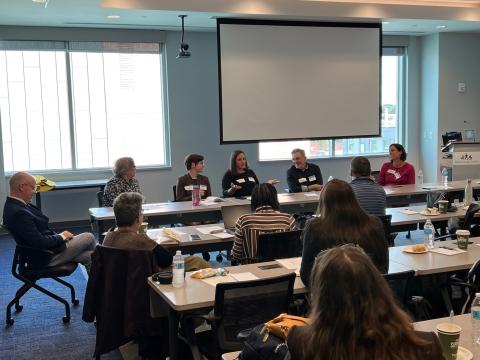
397 171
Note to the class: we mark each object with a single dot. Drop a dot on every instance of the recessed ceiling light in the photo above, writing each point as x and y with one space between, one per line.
113 16
441 26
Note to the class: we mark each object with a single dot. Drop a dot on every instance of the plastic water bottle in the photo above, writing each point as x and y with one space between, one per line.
476 320
195 195
445 177
428 234
420 177
178 270
330 178
468 196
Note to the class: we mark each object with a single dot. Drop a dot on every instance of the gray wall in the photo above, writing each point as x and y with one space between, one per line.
193 114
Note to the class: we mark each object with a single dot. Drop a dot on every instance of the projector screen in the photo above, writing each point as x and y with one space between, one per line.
281 80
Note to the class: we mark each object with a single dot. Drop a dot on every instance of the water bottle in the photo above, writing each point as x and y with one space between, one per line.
476 320
330 178
195 195
445 177
428 233
178 270
420 177
468 196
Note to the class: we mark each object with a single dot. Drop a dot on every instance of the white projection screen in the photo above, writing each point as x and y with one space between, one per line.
281 80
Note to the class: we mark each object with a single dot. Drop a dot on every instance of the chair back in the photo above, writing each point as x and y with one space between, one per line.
376 175
245 304
279 245
174 188
100 198
474 274
399 283
387 228
470 215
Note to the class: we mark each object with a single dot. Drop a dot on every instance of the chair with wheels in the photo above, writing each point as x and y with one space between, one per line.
469 223
238 306
29 265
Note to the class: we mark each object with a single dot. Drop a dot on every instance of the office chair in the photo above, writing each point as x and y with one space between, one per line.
468 285
238 306
468 223
100 198
387 228
174 188
28 266
279 245
400 285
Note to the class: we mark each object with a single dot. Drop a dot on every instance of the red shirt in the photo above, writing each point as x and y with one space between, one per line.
390 175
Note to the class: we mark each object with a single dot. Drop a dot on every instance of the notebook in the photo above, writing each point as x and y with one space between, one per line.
230 215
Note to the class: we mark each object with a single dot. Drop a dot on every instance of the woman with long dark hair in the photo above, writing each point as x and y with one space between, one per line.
341 221
354 315
239 180
397 171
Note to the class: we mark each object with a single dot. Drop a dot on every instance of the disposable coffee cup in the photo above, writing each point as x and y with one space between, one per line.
449 335
442 206
462 238
143 228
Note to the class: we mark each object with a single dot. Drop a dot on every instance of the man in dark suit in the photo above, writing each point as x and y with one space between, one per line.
29 226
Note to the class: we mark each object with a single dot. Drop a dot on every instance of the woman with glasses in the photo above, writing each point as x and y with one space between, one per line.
354 315
124 172
194 164
341 221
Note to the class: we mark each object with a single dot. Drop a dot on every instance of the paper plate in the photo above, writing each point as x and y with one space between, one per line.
464 354
409 249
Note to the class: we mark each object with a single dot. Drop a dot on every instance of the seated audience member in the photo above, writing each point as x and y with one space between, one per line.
29 226
341 221
354 315
265 219
240 180
302 175
124 172
397 171
127 208
370 195
194 164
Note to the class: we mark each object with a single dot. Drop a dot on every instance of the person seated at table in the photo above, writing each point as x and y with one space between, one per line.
124 172
370 195
341 221
194 164
265 219
355 316
29 226
302 175
240 180
397 171
127 208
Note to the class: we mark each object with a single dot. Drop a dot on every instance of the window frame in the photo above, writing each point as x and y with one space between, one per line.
75 171
401 52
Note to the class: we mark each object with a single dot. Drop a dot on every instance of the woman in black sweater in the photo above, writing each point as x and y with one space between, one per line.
341 220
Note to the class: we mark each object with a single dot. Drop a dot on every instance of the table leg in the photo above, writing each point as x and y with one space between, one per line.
173 318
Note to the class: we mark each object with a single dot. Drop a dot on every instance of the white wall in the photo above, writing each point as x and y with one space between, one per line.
194 127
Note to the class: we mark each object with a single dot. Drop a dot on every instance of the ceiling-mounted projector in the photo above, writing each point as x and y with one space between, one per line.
183 51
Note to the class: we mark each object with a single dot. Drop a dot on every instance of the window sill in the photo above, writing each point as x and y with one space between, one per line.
328 158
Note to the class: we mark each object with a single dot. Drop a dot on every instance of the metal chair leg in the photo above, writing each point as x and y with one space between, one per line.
66 318
70 286
19 294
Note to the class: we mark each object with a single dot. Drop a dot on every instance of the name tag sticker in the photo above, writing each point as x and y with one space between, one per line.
391 171
251 179
203 187
312 178
240 181
188 187
302 180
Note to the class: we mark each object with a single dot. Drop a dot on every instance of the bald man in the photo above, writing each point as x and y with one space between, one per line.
29 226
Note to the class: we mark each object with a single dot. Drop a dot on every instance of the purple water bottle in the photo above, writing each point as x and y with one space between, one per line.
195 195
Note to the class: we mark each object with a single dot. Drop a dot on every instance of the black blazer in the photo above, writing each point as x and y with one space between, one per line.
29 226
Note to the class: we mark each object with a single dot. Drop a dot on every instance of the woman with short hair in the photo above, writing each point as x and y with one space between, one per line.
341 221
354 315
195 165
397 171
265 219
124 180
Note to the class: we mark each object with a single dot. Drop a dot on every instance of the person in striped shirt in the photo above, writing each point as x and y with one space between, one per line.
265 219
370 195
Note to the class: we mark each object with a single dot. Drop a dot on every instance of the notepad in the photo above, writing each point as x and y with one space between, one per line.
210 229
244 276
290 263
443 251
214 280
408 212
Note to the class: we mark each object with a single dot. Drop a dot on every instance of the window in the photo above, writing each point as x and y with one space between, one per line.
116 96
391 122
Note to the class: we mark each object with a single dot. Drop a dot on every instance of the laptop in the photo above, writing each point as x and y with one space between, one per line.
230 215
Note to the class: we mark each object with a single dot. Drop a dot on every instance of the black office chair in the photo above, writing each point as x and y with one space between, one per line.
28 266
279 245
239 306
387 228
174 188
100 198
468 285
469 222
400 285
